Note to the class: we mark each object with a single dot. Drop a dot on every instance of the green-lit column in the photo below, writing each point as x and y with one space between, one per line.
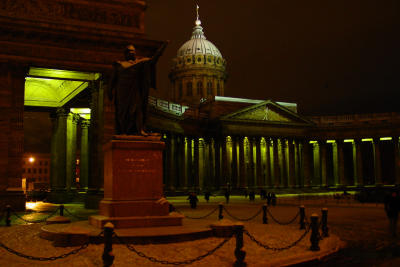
217 162
395 141
58 167
316 177
207 164
340 158
196 166
306 163
242 165
84 160
323 151
72 122
377 162
259 174
357 163
201 162
275 159
189 163
224 162
268 162
283 163
181 162
251 170
297 163
171 146
235 162
291 160
335 163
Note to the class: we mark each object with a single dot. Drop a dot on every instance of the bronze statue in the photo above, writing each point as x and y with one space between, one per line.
131 81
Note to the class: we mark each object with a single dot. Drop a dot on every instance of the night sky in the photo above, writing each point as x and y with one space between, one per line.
329 56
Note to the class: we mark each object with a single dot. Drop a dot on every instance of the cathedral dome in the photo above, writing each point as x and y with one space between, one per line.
198 44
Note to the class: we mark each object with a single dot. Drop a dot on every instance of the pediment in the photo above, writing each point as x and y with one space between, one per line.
267 112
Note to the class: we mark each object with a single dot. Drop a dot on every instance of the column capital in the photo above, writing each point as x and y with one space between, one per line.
85 123
62 112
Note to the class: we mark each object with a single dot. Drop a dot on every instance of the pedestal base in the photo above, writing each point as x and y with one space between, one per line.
137 221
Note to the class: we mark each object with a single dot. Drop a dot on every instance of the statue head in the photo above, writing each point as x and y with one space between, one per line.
130 52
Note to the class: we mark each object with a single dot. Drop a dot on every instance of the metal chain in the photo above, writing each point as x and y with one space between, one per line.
243 220
201 217
283 223
44 258
277 249
185 262
73 215
38 221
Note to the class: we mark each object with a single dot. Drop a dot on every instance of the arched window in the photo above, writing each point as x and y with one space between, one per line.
189 87
199 88
209 88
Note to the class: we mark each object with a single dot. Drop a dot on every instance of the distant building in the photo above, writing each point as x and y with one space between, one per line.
35 172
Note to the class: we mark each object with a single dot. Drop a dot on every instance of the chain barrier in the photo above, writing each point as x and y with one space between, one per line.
37 221
196 218
75 216
29 257
283 223
185 262
252 238
243 220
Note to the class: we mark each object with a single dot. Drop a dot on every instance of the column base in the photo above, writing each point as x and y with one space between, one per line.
93 198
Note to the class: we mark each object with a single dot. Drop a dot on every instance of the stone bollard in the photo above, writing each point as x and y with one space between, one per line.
239 253
108 256
61 210
221 207
302 217
324 222
8 215
264 218
314 238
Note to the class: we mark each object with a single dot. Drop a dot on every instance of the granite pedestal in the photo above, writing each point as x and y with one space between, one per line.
133 186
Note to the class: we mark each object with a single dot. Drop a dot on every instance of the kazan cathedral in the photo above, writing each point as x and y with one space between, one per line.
56 58
214 142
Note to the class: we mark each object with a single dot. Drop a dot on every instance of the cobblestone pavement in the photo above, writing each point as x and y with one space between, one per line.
24 238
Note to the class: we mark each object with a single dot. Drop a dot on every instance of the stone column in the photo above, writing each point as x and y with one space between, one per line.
224 162
189 163
84 160
323 151
196 166
95 190
235 168
357 163
242 170
284 170
201 163
316 177
335 163
340 157
268 162
275 159
297 159
306 153
259 175
292 174
395 141
72 122
377 162
12 83
217 162
251 173
181 162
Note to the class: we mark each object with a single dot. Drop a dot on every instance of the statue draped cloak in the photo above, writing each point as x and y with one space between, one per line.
132 83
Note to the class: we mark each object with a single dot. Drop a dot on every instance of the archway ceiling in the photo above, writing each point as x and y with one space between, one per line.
54 88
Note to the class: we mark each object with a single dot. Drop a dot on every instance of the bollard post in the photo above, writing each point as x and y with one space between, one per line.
324 222
264 218
8 215
314 238
108 256
220 216
61 210
239 253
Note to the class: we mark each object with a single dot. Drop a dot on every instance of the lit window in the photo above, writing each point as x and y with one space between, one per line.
199 88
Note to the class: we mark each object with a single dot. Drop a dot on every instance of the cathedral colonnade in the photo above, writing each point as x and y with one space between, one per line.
216 163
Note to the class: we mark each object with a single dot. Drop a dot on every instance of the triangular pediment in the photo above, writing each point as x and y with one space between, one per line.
267 112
